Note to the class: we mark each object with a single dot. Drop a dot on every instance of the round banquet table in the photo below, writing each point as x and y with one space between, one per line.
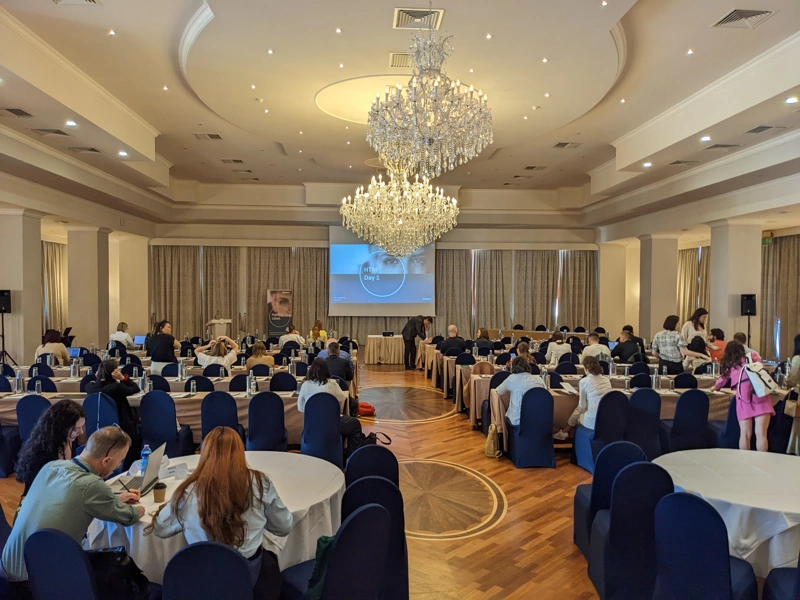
756 493
311 489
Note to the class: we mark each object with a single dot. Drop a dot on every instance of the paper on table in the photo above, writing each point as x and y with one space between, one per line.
568 387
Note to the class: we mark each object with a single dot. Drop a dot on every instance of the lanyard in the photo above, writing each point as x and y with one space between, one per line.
80 464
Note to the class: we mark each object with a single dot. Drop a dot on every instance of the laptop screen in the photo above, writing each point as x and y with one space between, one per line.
74 352
611 345
139 340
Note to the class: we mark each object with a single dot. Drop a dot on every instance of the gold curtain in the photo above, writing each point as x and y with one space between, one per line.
704 293
577 298
688 286
267 269
493 273
54 263
780 286
176 288
535 287
221 285
454 292
310 287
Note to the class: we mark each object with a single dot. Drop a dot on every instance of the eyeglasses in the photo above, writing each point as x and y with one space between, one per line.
117 441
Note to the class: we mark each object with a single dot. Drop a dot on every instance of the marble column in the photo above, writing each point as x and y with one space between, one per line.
658 282
612 287
88 294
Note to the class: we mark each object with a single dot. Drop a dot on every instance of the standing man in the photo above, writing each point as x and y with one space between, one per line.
413 329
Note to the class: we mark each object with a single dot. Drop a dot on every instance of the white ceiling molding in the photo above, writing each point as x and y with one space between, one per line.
194 27
605 177
621 42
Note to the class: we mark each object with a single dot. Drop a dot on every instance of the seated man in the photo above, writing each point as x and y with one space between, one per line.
341 367
324 352
626 347
453 341
716 338
595 348
639 341
751 354
68 495
292 335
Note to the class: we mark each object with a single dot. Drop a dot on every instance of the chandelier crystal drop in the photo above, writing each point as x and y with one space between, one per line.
434 124
397 215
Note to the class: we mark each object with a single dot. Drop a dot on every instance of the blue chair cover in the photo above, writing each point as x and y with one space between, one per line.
260 370
301 368
540 358
290 345
531 443
47 384
485 351
219 409
503 358
265 423
780 426
622 553
157 413
281 359
132 359
272 340
58 567
160 384
87 379
215 371
381 491
10 443
782 584
321 436
196 341
639 368
343 385
566 368
29 409
565 329
591 498
465 358
453 352
702 369
346 578
118 351
604 367
580 329
725 434
569 357
685 381
496 380
42 369
372 460
644 416
609 426
692 558
239 383
170 370
129 370
689 429
500 345
240 356
282 382
207 571
641 381
42 358
186 351
436 339
541 328
7 370
101 411
5 385
555 381
535 370
202 384
90 359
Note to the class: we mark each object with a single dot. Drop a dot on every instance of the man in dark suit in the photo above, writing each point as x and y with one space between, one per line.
341 367
453 341
414 328
639 341
625 348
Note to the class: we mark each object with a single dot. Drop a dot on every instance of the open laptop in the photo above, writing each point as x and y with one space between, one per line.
74 352
139 340
611 345
143 483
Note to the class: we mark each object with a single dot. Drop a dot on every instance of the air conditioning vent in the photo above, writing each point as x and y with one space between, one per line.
209 137
233 161
723 147
763 128
511 184
16 113
684 163
522 176
567 145
417 18
495 153
77 2
78 150
399 60
242 170
50 132
534 168
744 19
281 148
249 178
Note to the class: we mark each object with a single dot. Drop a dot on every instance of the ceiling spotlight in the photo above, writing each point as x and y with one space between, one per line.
488 36
301 133
165 88
547 95
647 164
469 172
341 66
338 30
346 127
791 100
112 32
525 117
535 107
269 51
690 51
544 60
348 143
622 101
299 169
604 3
705 138
301 151
266 110
471 71
123 153
252 87
71 124
350 167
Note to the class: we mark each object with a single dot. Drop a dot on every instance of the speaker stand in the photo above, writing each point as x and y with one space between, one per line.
748 330
4 356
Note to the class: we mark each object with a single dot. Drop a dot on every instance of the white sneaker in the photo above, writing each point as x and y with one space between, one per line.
561 435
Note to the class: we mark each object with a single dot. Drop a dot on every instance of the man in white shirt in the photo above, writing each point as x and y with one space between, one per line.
520 381
557 348
292 335
741 337
595 348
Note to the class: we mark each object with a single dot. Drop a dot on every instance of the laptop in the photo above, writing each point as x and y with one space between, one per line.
139 340
611 345
66 332
143 483
74 352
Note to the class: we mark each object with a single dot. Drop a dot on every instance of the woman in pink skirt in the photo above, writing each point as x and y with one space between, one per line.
749 407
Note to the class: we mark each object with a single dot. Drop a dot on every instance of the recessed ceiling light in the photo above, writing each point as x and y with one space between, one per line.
341 66
647 164
123 153
488 36
112 32
350 167
535 107
346 127
71 123
782 212
469 172
690 51
301 151
269 51
547 95
471 71
338 30
165 88
266 110
604 3
791 100
622 101
299 169
705 138
544 60
252 87
348 143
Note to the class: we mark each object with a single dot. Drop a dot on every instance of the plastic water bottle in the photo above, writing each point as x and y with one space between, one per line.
243 361
715 368
35 372
91 348
20 379
186 337
192 387
38 386
627 370
146 452
655 381
135 372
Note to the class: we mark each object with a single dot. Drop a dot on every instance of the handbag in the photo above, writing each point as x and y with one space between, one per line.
317 580
365 409
492 447
790 407
117 576
762 382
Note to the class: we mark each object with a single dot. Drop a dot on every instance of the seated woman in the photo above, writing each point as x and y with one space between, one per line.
482 340
220 355
225 501
592 389
122 336
292 335
259 357
794 366
516 384
524 349
111 382
317 333
52 345
696 345
557 348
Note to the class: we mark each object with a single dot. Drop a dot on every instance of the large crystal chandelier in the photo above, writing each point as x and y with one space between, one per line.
399 216
434 124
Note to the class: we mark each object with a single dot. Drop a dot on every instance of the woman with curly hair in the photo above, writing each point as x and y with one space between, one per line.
52 438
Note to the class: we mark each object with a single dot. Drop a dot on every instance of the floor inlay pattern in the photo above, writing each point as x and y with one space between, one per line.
407 404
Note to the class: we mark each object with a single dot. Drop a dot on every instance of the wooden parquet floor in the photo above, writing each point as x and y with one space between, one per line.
527 554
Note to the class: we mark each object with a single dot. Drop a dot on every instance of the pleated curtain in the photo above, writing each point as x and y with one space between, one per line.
577 299
780 286
493 273
704 284
310 287
267 269
535 287
176 288
694 280
54 265
454 292
221 285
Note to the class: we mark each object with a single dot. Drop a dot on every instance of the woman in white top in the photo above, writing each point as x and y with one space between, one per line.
557 348
52 345
220 355
520 381
696 345
225 501
592 389
696 327
292 335
121 335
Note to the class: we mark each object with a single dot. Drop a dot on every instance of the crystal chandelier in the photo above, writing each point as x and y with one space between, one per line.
434 124
399 216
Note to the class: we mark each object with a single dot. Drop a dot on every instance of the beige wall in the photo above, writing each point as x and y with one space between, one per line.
632 266
87 249
113 285
612 287
134 284
658 276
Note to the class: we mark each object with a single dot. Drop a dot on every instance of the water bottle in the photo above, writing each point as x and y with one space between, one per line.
38 386
143 382
193 387
715 368
654 380
73 369
664 370
146 452
627 384
627 370
292 368
243 361
49 360
294 354
253 386
186 337
474 351
221 372
546 378
35 371
256 333
671 385
91 348
148 384
20 379
135 372
208 334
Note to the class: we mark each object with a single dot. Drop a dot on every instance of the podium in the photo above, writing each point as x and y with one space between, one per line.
218 327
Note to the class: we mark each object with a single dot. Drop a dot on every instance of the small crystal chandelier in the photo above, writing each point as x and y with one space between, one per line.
399 216
435 123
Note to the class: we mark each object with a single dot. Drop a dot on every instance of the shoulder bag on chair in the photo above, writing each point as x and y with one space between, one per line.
762 382
493 443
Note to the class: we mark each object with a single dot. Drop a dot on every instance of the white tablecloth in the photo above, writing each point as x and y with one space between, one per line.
757 494
311 489
384 350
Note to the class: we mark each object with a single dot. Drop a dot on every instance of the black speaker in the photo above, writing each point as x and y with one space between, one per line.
5 301
748 305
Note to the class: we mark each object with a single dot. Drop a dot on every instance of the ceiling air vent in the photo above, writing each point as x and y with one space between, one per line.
399 60
233 161
522 176
535 168
684 163
50 132
77 2
242 170
723 147
567 145
511 184
17 113
417 18
209 137
281 148
763 128
78 150
744 19
249 178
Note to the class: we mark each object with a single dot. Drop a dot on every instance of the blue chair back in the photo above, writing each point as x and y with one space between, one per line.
202 384
218 409
702 369
381 491
207 571
640 358
690 427
729 436
260 370
239 383
101 411
498 378
343 385
604 367
555 381
42 369
644 415
531 444
29 409
372 460
692 559
564 329
265 423
282 382
5 386
47 384
500 345
242 355
118 351
160 384
569 357
362 579
301 368
503 358
485 351
90 359
281 359
87 379
196 341
290 345
186 351
58 567
436 339
535 370
453 352
42 358
612 417
170 370
321 436
641 381
272 340
541 328
685 381
540 358
610 461
7 370
566 368
580 329
132 359
215 371
129 370
465 358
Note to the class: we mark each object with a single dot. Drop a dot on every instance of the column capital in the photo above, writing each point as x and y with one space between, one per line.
21 212
658 236
88 228
735 221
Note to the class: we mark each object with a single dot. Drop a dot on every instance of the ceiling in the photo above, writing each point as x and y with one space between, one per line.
209 82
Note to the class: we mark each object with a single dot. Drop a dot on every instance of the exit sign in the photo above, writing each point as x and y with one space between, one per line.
766 241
